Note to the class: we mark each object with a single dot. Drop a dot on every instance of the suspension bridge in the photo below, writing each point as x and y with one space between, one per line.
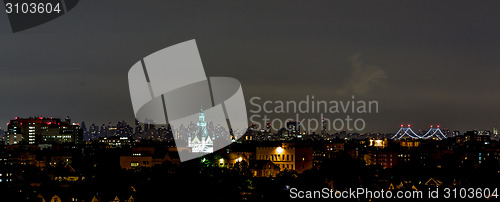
404 132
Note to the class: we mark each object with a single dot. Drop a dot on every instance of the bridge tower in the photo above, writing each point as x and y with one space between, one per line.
405 131
434 132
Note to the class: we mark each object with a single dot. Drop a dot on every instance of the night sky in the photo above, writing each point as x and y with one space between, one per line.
425 62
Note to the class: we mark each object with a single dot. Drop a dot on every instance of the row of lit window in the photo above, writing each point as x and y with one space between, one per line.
277 157
287 166
385 155
274 148
109 141
58 136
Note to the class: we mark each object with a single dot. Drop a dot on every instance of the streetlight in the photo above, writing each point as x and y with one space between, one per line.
279 150
239 159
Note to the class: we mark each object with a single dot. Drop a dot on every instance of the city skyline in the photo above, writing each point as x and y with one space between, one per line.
162 132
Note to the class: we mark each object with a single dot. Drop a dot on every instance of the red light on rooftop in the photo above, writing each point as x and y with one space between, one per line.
438 126
401 125
431 126
408 125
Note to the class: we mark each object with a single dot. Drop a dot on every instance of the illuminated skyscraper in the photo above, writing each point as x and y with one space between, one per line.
293 128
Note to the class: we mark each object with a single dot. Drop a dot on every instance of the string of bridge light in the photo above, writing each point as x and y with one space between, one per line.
409 132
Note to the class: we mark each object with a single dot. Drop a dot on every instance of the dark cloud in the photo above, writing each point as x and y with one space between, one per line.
363 77
424 61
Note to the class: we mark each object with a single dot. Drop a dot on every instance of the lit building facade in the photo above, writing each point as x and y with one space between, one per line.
263 168
136 161
378 143
283 156
42 130
115 141
386 159
5 176
409 143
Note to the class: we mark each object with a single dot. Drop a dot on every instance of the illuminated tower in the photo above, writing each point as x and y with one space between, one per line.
201 142
202 125
324 126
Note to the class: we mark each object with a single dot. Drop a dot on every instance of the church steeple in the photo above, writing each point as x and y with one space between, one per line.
202 124
201 117
201 142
